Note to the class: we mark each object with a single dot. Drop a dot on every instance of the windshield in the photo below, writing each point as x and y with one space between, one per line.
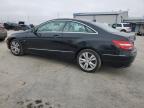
105 27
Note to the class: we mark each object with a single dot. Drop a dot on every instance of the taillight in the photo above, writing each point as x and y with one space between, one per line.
125 45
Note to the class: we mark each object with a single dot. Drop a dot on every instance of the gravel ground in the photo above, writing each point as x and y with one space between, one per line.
43 82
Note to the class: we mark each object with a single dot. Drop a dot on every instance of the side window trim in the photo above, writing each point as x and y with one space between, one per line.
86 26
66 22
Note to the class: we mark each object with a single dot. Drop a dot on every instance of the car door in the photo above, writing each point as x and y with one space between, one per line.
48 37
76 34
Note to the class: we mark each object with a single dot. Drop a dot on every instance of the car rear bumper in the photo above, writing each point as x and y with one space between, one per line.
125 59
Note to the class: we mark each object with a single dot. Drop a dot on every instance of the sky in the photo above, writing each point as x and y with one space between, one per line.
36 11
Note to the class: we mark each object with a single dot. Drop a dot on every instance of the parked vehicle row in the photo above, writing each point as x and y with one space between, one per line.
15 26
12 26
90 44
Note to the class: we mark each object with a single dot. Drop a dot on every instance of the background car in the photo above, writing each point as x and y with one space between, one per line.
123 27
11 26
3 32
90 44
24 27
15 26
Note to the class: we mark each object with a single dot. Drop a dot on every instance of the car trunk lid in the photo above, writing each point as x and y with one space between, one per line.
131 37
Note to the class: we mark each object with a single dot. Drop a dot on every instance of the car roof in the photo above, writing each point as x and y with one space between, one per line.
124 23
71 19
65 19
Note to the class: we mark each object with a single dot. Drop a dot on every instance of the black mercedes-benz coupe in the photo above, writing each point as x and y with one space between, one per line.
90 44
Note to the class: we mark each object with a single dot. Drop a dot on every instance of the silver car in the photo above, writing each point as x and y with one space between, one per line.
3 32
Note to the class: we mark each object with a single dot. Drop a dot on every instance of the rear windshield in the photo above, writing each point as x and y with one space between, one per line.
126 25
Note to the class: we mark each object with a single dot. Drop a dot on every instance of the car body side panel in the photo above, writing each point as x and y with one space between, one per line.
71 43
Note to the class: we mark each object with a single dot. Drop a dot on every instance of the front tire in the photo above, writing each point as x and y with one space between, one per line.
88 60
16 48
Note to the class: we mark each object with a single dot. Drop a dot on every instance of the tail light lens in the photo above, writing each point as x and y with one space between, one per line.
125 45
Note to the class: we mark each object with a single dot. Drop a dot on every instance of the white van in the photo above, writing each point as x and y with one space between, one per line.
123 27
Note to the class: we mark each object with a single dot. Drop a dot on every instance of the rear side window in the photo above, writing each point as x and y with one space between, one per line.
89 30
126 25
77 27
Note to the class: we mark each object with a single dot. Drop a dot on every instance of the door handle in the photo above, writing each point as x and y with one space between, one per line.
57 36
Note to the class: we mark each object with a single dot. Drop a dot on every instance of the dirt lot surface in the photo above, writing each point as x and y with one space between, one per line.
44 82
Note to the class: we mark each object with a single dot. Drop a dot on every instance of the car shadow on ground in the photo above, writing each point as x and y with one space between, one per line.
110 69
106 67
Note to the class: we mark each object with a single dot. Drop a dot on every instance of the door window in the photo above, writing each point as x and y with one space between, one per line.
126 25
53 26
77 27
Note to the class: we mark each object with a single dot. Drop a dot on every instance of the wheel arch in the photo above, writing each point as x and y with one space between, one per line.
123 30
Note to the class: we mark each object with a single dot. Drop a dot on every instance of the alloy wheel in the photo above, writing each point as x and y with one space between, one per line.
87 61
15 47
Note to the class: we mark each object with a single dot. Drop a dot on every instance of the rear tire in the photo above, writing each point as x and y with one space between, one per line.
88 60
123 30
16 47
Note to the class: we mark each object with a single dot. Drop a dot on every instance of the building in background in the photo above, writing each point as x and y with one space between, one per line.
103 17
137 24
114 17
